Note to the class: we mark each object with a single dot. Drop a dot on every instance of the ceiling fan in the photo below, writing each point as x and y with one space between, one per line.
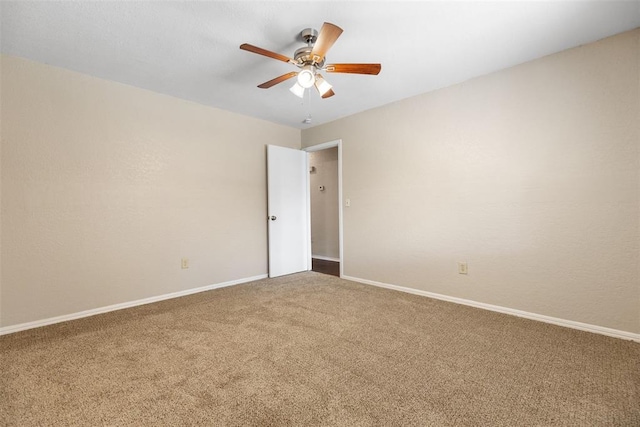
311 60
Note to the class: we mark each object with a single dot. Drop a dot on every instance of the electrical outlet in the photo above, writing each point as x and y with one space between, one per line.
185 263
462 268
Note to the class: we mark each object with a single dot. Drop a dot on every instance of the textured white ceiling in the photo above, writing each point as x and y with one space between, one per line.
190 49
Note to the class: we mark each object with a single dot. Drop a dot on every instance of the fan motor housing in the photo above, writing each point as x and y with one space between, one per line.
303 57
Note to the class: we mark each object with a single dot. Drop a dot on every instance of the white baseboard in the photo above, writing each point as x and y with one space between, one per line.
58 319
519 313
325 258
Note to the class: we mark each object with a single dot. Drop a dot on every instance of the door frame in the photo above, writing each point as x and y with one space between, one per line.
319 147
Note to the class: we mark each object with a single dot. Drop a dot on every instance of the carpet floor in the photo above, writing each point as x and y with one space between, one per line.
311 349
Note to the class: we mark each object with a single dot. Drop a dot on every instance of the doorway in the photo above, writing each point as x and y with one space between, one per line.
325 207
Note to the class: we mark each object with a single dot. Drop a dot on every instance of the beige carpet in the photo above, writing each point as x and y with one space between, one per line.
311 349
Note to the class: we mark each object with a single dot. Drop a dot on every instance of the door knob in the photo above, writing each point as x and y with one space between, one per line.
273 218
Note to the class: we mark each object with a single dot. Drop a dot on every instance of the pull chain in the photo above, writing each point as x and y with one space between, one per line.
308 119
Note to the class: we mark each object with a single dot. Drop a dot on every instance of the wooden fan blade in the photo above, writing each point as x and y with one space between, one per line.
329 94
354 68
328 35
280 79
264 52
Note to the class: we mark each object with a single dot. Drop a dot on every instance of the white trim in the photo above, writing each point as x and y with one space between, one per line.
340 209
308 200
325 258
519 313
58 319
324 146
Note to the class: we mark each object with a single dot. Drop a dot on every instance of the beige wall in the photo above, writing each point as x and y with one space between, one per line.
529 174
105 187
324 204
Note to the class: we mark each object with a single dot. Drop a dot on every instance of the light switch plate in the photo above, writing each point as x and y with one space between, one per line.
462 268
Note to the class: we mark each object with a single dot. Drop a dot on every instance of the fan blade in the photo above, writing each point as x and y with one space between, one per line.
280 79
328 35
329 94
264 52
354 68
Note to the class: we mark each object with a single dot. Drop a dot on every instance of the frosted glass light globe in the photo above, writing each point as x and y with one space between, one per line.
306 76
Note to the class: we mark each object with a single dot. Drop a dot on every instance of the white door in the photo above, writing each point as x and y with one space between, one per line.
288 215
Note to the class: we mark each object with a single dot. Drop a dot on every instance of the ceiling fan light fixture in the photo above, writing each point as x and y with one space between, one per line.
322 85
297 90
307 76
309 60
